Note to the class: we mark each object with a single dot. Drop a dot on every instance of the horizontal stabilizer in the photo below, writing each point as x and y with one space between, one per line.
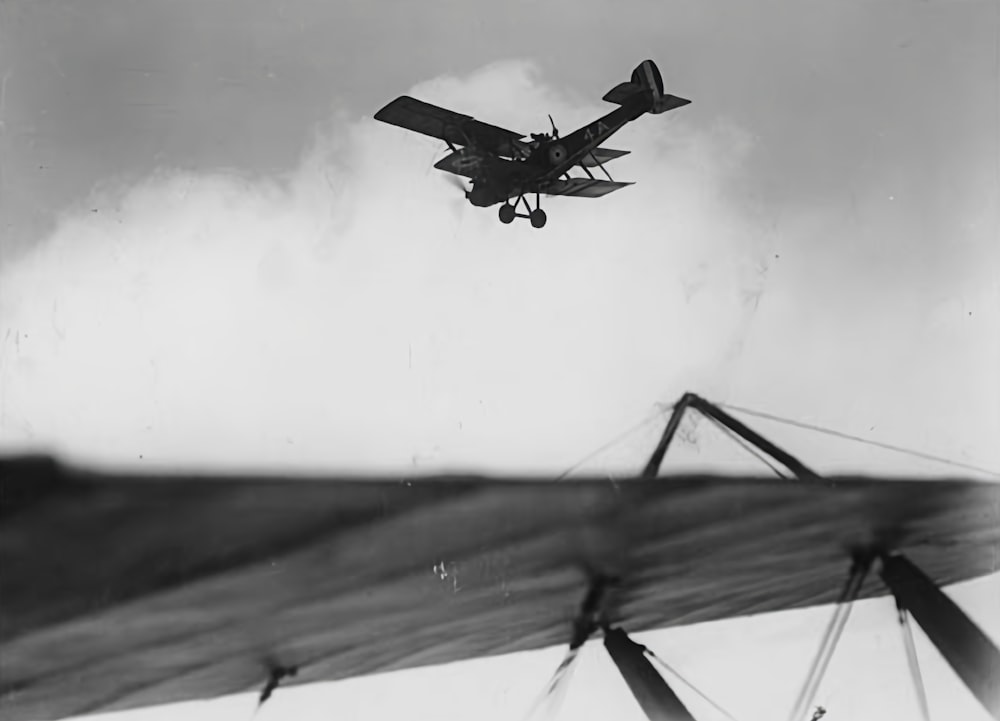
669 102
621 92
599 156
583 187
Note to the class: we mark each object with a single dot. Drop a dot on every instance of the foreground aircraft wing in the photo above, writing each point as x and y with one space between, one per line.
455 128
583 187
122 591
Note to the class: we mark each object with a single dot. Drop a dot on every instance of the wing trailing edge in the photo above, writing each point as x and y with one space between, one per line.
584 187
600 156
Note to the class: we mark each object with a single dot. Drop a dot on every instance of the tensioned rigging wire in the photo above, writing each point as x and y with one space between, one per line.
687 683
914 664
749 448
658 413
859 439
831 636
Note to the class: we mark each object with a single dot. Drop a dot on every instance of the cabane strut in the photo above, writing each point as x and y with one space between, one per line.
690 400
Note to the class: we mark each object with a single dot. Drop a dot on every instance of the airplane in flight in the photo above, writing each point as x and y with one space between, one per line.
504 166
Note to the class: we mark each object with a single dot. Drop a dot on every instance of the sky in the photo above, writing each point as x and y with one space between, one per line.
211 256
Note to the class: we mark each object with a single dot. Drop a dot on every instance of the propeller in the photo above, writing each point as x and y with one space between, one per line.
454 180
458 206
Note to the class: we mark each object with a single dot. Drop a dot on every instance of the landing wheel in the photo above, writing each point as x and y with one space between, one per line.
507 213
537 218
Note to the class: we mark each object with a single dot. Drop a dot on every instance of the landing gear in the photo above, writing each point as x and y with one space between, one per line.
535 215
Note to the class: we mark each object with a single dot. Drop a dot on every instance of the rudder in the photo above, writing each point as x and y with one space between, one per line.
647 76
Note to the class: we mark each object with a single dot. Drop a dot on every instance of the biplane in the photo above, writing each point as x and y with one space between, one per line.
123 590
503 165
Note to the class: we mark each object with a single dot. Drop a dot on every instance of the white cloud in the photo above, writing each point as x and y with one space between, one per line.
359 313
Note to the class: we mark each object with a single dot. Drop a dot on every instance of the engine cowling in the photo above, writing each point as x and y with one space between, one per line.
482 195
557 154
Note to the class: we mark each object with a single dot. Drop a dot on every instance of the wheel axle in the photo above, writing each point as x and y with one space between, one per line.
536 216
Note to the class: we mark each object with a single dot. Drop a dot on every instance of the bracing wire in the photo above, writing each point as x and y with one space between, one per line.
673 672
914 664
749 448
829 641
658 413
860 439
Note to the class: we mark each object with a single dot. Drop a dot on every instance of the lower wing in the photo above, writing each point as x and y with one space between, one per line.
583 187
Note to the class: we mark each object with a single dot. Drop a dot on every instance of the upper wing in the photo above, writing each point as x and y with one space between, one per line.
452 127
127 591
583 187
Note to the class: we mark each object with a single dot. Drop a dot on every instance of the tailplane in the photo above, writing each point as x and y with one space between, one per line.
646 79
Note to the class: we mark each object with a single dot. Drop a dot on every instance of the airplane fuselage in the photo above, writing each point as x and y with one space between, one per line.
499 180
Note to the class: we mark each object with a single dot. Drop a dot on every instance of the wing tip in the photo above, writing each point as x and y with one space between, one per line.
670 102
381 113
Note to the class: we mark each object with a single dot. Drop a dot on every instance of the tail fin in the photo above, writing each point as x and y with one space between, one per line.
646 79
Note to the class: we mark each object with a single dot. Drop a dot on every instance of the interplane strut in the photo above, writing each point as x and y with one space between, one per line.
967 649
973 656
655 697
